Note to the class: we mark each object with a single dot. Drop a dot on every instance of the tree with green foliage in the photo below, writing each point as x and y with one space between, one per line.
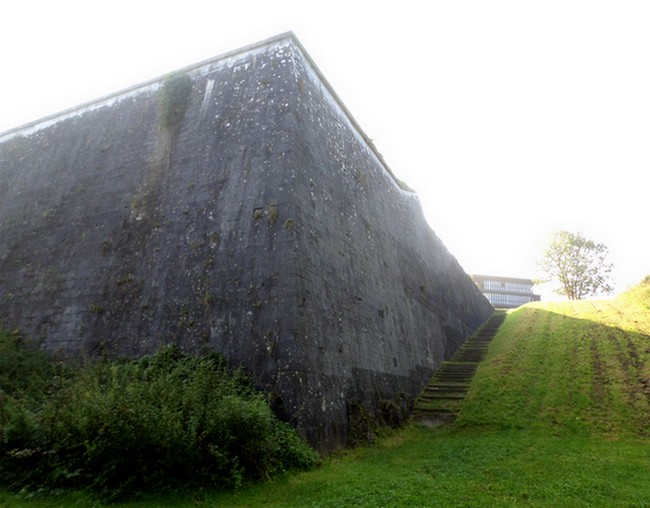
578 264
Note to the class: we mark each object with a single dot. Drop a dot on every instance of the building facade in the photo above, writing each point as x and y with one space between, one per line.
506 292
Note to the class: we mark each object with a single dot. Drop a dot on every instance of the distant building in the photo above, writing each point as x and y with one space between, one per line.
506 292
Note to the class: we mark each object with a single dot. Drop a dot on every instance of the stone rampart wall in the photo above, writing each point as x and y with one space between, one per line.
255 219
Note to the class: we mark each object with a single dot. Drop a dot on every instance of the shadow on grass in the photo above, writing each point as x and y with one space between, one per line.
563 372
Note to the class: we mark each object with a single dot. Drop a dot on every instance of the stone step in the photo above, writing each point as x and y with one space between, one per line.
448 385
442 411
458 378
457 374
433 391
442 396
466 367
475 356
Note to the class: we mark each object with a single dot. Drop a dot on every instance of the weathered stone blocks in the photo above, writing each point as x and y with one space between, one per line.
255 219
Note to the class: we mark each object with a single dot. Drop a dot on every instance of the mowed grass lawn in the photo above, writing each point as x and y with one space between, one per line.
558 415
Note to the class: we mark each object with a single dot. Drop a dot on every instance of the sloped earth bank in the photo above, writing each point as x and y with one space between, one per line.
580 366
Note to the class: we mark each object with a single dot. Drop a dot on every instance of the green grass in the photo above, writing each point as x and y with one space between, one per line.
568 368
444 467
558 415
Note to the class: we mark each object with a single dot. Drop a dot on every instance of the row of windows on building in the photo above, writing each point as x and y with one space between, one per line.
506 292
502 300
506 286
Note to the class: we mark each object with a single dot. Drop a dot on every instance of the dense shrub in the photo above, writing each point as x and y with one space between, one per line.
17 358
120 428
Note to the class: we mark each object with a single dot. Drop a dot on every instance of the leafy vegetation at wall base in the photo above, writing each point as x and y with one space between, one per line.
121 428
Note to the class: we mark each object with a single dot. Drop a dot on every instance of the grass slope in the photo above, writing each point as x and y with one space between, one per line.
571 368
558 415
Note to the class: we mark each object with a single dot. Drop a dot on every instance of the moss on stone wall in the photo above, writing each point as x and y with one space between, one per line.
173 99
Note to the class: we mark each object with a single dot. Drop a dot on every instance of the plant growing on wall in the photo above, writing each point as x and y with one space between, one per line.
174 98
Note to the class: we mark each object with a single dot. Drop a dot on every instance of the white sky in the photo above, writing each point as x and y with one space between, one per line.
511 119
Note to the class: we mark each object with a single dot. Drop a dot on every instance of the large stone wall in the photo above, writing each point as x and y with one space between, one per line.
246 213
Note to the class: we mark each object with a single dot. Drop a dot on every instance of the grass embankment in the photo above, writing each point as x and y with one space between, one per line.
558 415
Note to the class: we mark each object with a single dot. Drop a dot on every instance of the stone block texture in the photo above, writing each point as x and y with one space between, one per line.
244 212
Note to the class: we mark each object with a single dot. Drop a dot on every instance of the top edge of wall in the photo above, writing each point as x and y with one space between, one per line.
283 38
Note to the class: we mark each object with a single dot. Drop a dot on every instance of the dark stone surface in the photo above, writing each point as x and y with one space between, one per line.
258 222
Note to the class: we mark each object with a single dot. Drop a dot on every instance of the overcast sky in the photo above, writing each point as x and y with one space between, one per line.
511 119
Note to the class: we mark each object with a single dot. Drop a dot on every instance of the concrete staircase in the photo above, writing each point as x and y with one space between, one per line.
441 400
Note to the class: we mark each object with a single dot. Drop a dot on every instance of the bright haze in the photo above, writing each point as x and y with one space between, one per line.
510 119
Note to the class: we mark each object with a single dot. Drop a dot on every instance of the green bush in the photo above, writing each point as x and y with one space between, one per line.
17 358
164 421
